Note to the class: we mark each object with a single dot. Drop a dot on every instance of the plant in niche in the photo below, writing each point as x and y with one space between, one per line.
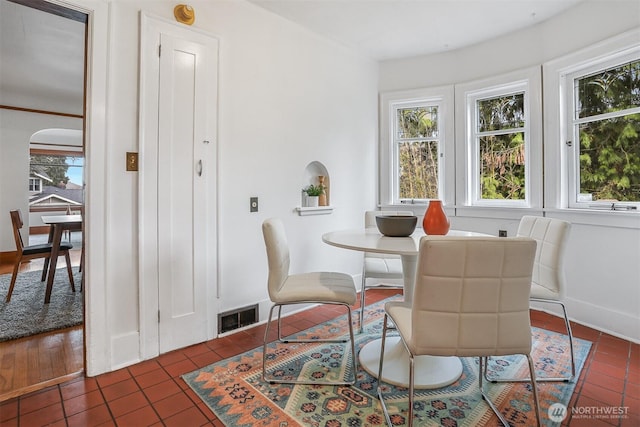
313 190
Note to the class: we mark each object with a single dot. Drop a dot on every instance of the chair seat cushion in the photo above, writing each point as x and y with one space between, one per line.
319 287
400 314
44 248
538 291
383 268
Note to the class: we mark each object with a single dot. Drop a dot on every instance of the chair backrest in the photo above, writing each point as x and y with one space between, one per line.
551 235
370 221
275 240
16 221
472 296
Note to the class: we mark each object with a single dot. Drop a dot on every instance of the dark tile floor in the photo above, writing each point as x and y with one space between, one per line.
151 393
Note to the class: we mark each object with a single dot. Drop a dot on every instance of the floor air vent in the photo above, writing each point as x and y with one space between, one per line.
235 319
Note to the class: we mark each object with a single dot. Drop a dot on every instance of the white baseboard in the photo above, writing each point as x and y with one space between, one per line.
618 324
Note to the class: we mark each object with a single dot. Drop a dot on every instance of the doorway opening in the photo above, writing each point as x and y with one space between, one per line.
43 92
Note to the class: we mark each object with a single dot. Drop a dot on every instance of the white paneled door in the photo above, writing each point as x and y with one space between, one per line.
183 163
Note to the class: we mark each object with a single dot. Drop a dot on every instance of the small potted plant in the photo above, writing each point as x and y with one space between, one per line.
313 194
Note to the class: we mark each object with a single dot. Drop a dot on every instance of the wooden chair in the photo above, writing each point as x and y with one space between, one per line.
27 253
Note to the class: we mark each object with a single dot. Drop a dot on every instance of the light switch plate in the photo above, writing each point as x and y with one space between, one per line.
253 204
132 161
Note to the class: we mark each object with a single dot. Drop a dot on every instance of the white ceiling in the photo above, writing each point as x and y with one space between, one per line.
41 59
386 29
41 54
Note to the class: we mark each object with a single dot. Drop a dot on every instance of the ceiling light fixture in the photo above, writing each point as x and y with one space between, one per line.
184 13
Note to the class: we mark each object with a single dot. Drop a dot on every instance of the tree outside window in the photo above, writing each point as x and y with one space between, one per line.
417 141
606 122
501 144
62 169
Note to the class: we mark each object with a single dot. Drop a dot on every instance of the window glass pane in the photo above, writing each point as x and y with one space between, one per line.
418 170
502 166
610 159
505 112
611 90
60 169
419 122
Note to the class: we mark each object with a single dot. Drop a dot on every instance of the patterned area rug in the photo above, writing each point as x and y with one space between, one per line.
27 314
234 390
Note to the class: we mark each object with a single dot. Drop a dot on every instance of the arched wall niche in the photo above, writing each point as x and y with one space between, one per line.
316 173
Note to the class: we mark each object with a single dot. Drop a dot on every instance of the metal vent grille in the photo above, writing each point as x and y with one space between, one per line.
234 319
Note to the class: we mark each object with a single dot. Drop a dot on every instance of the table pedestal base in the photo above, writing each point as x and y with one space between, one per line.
430 371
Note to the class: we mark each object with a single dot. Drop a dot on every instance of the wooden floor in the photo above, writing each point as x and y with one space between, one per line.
39 361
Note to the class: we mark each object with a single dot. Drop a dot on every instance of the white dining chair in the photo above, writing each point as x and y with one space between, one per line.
471 299
548 282
304 288
386 268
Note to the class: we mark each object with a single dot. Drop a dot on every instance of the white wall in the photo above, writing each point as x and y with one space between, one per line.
286 98
601 266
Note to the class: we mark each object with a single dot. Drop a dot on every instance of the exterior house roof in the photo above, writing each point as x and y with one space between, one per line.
55 196
38 171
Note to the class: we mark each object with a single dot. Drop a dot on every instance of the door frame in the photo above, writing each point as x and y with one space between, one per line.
151 26
96 328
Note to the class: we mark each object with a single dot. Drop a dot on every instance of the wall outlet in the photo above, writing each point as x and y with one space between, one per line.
253 204
502 233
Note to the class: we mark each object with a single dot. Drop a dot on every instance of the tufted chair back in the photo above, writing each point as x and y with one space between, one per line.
551 235
275 240
472 296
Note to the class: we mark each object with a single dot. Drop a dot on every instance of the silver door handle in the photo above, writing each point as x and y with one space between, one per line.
199 168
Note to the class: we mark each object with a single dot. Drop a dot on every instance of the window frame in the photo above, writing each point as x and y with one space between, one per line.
390 102
528 82
37 185
558 173
573 148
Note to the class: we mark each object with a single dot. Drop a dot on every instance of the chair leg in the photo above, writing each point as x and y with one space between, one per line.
385 328
14 276
380 365
482 367
273 380
45 269
546 379
534 387
67 258
81 259
363 289
481 363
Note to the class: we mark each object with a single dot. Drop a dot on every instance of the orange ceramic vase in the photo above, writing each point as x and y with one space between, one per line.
435 221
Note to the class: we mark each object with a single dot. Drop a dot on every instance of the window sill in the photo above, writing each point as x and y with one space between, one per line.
320 210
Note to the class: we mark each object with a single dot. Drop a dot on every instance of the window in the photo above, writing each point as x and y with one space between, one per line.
603 134
499 139
414 151
416 146
500 153
35 185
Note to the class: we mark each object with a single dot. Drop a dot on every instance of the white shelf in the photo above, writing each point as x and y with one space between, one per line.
320 210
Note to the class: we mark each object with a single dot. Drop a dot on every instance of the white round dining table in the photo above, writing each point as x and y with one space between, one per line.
430 371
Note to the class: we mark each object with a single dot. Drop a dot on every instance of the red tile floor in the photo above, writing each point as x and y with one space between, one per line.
151 393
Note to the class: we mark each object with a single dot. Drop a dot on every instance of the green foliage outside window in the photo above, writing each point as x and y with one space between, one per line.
610 146
502 153
417 137
502 160
54 166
